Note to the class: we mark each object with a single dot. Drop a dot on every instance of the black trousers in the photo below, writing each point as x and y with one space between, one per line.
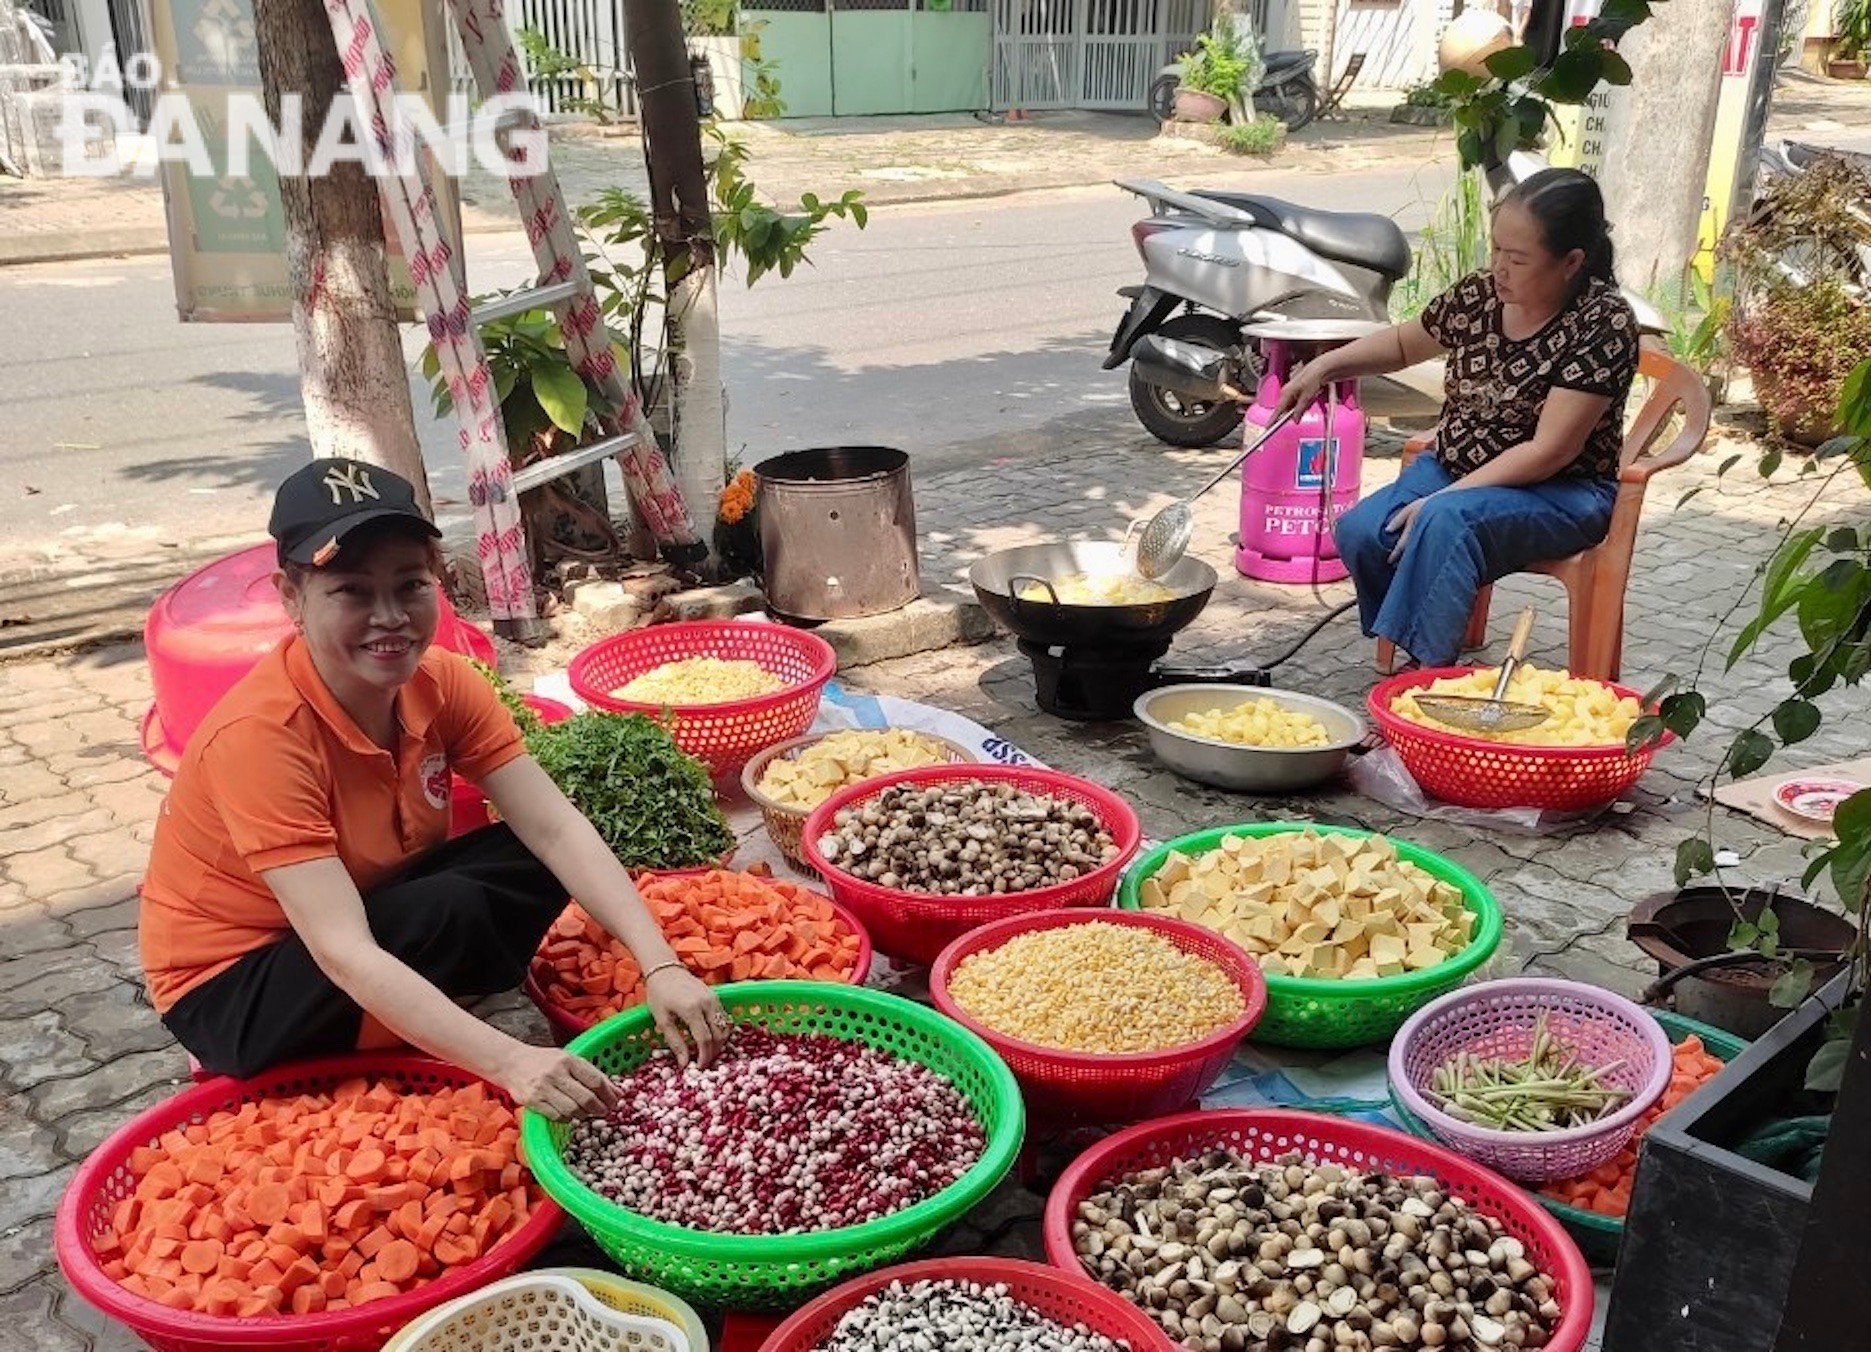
468 916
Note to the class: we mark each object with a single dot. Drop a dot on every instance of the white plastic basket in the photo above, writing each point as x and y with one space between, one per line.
534 1312
628 1297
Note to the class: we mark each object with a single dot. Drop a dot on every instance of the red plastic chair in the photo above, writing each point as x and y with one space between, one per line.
1595 579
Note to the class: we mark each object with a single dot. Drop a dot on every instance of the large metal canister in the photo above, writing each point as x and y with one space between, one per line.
838 532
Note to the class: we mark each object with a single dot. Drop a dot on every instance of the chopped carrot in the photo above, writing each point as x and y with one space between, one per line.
724 925
318 1201
1607 1189
268 1203
397 1263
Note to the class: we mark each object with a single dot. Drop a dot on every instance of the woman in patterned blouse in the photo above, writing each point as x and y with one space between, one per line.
1541 354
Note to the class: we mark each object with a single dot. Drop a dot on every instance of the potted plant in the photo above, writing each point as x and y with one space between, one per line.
1799 322
1698 316
1215 76
1852 22
1713 1237
1425 105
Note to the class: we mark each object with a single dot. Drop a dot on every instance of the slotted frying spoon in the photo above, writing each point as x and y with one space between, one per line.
1166 536
1471 713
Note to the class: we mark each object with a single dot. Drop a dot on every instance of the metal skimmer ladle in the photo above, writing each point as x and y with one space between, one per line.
1471 713
1166 536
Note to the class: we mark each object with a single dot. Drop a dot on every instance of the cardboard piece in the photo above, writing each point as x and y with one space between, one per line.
1756 796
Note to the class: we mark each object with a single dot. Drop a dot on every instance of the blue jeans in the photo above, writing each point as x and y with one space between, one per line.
1462 541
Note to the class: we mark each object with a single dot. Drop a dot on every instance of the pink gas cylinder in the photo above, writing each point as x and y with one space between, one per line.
212 627
1307 476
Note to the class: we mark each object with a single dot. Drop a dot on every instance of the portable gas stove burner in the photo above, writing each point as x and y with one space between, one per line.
1089 683
1091 662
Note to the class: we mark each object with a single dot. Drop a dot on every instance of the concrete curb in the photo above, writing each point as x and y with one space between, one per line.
68 246
944 619
75 245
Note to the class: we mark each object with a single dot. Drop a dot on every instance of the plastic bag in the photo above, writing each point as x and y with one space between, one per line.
842 708
1381 776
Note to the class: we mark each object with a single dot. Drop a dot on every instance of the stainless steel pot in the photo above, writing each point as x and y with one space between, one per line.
1228 765
838 532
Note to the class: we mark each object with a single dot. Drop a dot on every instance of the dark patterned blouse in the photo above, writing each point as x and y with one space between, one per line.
1497 386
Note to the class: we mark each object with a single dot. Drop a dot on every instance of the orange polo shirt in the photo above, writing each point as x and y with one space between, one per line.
278 774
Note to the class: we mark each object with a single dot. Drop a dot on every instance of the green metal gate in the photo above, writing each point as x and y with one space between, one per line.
854 58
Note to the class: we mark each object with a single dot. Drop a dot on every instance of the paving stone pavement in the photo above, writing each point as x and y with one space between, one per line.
83 1051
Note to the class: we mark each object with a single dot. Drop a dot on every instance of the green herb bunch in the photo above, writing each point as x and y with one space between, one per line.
650 800
522 712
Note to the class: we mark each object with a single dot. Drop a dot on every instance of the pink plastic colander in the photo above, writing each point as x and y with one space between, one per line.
1496 1019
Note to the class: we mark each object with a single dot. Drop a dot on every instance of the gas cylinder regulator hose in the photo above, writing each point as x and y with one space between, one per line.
1310 634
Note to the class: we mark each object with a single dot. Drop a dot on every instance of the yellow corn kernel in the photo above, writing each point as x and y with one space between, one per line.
700 680
1096 987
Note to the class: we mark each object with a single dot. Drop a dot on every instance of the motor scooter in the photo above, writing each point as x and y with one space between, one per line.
1288 88
1216 262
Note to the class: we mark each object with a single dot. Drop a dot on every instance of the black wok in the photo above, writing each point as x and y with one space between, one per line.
999 578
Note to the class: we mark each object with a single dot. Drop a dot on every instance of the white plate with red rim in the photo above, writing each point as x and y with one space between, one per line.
1814 798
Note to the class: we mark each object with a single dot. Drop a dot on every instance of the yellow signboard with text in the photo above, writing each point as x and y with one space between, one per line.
227 233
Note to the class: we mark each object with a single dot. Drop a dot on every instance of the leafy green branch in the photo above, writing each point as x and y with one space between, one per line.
1511 108
544 401
1819 576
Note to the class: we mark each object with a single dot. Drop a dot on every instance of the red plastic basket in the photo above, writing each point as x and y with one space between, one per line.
104 1179
1265 1134
724 737
917 926
1069 1300
567 1025
1472 772
1083 1087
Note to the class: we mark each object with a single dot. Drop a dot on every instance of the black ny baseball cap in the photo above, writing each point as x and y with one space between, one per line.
317 506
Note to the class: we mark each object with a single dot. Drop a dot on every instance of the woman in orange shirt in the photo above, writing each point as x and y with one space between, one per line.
300 898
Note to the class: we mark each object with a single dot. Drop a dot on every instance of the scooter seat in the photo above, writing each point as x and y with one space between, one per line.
1360 238
1281 63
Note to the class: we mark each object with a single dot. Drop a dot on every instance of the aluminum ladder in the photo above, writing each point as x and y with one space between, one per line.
439 272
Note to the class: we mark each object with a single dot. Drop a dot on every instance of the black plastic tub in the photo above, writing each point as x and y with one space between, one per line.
1712 1237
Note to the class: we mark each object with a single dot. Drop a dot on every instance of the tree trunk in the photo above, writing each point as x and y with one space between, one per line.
1658 137
701 420
352 374
685 232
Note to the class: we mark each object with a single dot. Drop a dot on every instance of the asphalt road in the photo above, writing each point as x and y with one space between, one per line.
937 329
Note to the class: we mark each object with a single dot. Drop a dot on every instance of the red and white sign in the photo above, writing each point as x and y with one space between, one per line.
1744 39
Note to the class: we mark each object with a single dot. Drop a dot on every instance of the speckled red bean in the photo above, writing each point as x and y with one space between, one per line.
784 1134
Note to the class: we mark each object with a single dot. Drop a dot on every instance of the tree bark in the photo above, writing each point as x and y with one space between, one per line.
1658 139
344 324
685 232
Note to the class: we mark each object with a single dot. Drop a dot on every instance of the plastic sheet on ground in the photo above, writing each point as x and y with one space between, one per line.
1351 1084
1381 776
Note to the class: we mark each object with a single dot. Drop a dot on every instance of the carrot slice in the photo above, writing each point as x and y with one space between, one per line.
397 1262
268 1203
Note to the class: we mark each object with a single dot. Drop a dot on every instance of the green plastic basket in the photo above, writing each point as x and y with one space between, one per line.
1305 1011
1599 1236
778 1271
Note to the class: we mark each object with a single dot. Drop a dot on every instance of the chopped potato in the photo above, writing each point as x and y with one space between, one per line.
1256 722
1100 589
1584 713
818 770
700 680
1317 905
